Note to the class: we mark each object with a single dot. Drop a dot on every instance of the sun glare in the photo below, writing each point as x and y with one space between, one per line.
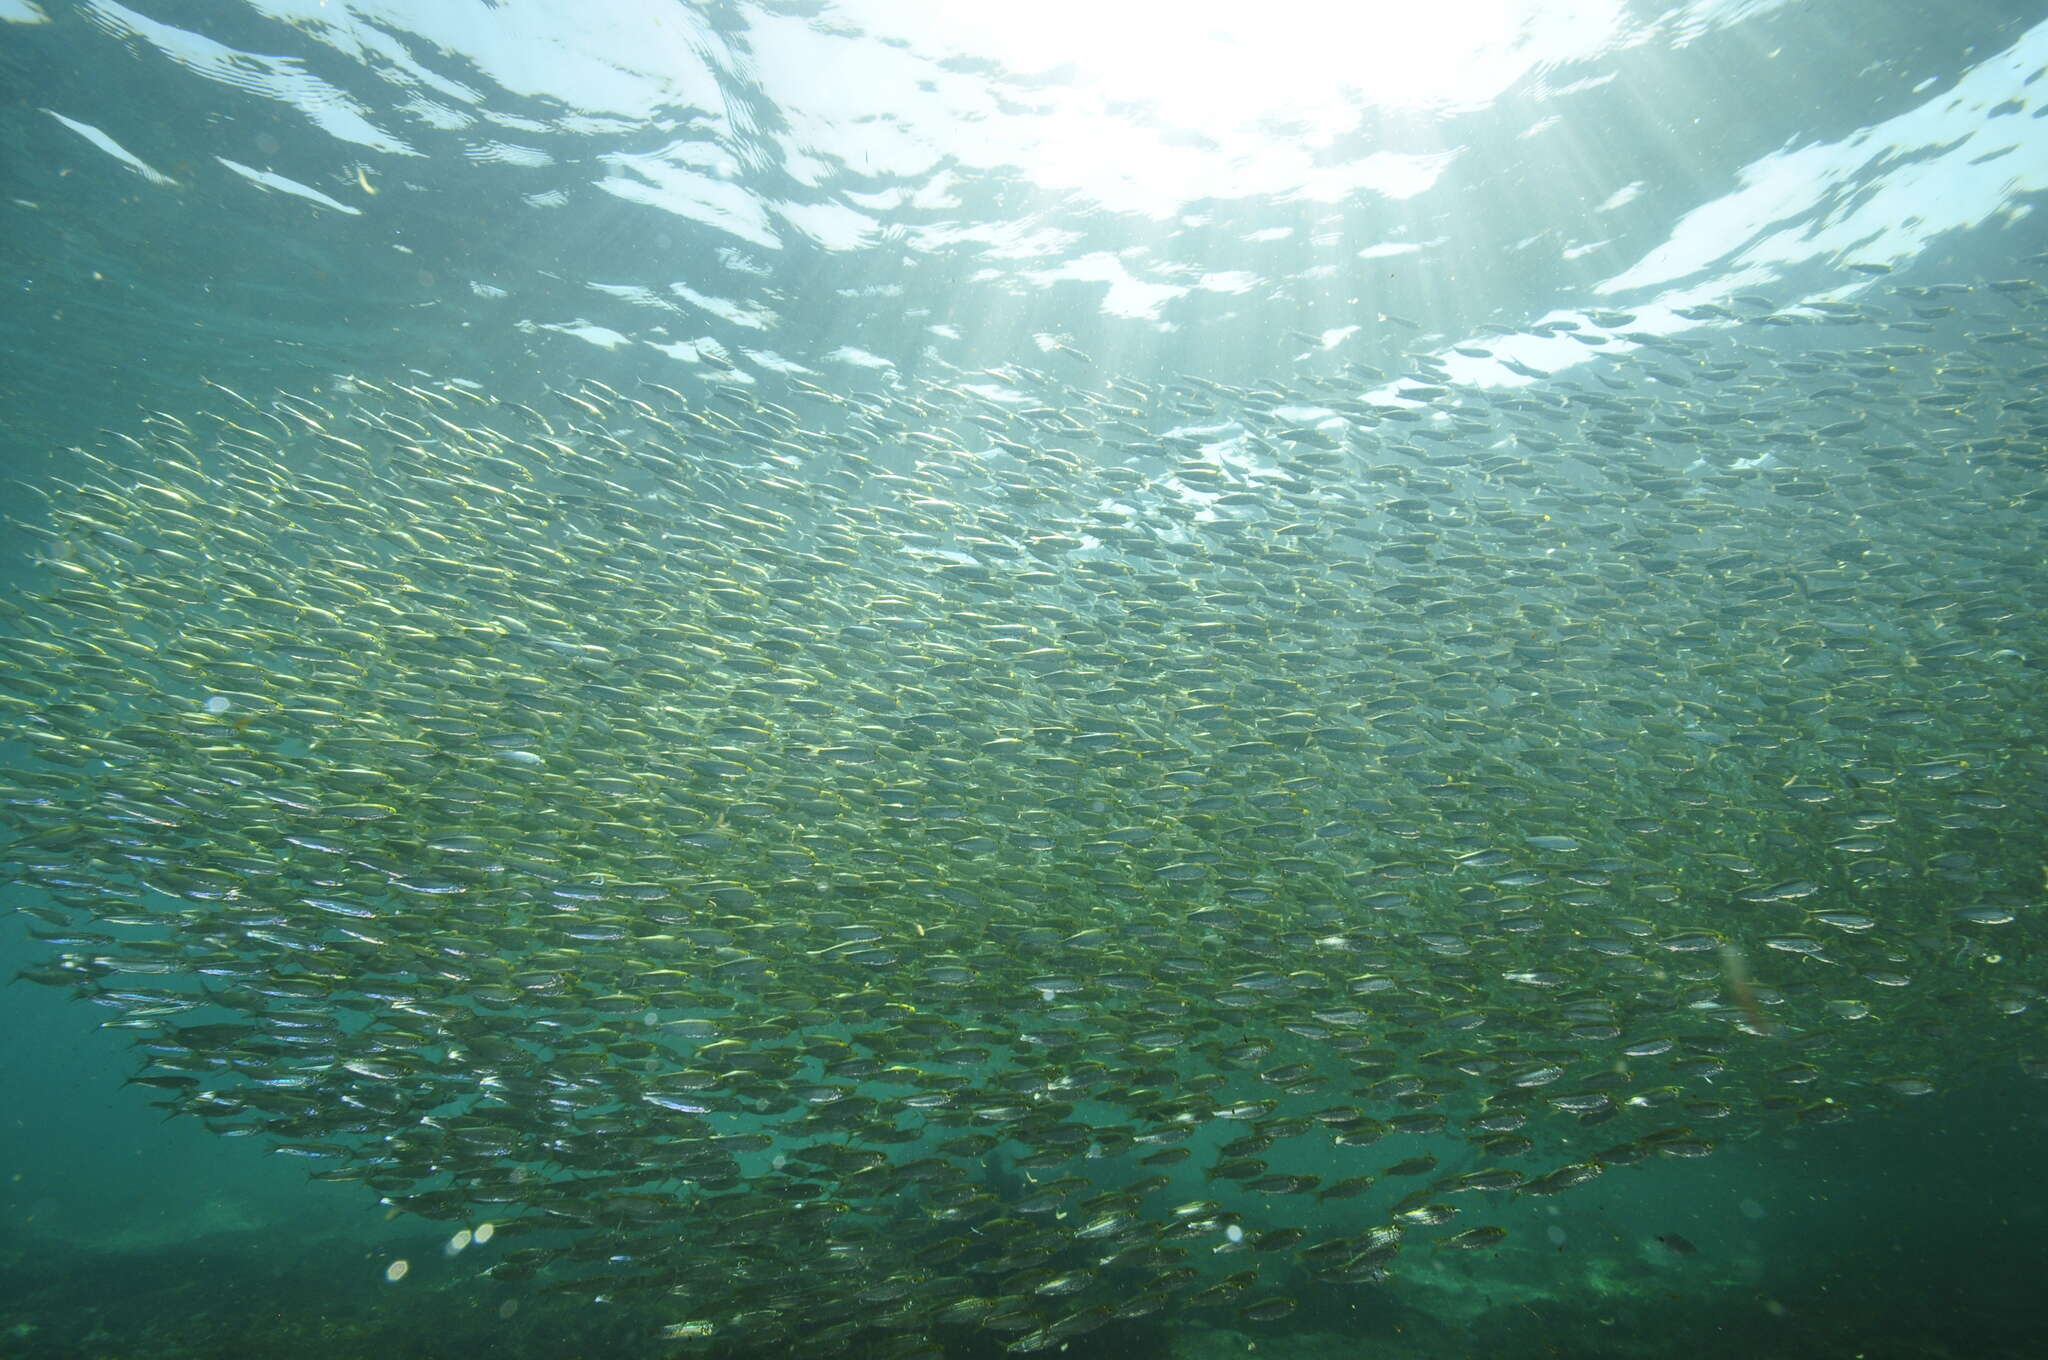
1146 106
1209 64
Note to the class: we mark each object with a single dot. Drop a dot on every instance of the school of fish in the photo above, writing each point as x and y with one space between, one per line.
1025 850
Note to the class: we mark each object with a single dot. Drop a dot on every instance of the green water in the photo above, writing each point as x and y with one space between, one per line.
1272 517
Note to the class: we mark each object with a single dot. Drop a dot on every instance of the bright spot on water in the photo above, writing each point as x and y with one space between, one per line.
395 1272
1234 1233
1555 1234
458 1242
484 1232
218 703
1751 1209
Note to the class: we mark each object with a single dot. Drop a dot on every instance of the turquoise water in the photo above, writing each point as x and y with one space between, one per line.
1716 288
